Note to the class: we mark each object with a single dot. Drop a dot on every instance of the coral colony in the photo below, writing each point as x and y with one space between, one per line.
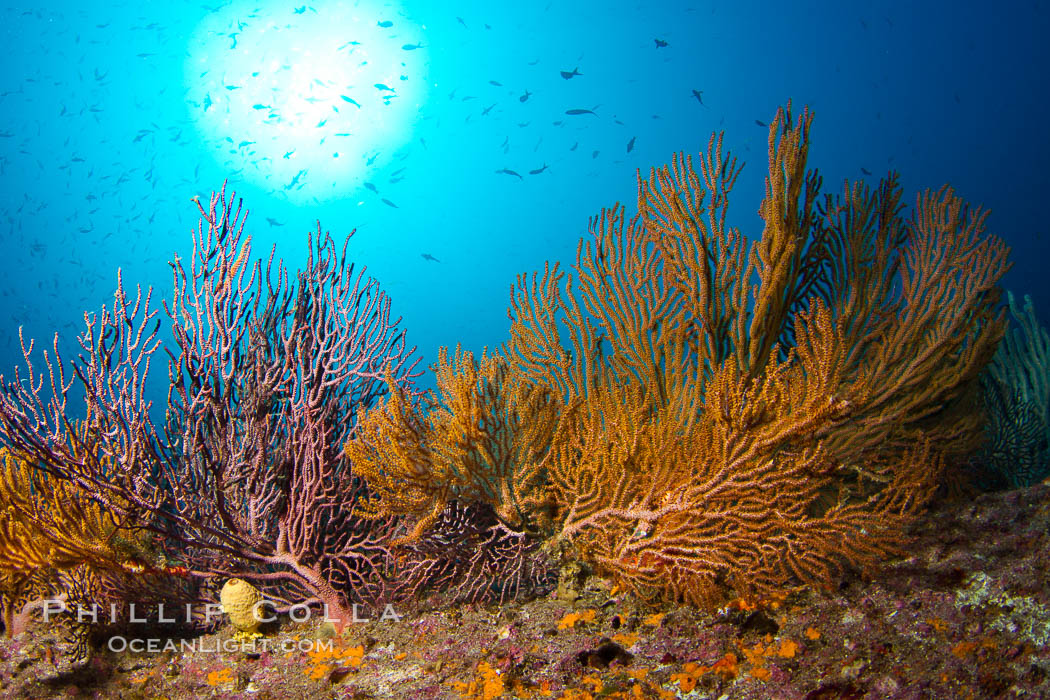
689 413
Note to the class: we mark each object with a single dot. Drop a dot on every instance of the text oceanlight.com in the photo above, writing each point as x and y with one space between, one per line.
229 646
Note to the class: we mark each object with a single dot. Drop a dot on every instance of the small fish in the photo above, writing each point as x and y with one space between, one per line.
507 171
428 256
762 124
660 43
567 75
595 154
574 146
321 123
537 171
260 106
295 180
630 144
286 155
380 86
525 97
460 20
488 109
865 171
411 47
385 24
207 101
389 203
300 10
233 87
699 95
576 112
372 159
242 144
496 83
351 101
273 222
370 186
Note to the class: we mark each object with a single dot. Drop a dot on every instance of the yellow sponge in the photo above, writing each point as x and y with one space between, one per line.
238 598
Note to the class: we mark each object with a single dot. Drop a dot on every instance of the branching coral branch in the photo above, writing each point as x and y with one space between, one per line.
247 476
482 440
763 404
1016 397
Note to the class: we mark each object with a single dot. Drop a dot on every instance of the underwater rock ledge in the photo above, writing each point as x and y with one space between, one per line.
967 615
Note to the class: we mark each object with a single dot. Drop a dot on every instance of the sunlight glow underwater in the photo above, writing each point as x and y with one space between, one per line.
302 103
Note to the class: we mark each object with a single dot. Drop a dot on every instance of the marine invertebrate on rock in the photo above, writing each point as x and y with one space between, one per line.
751 412
1016 395
469 554
62 550
479 438
246 476
719 411
465 470
240 600
48 527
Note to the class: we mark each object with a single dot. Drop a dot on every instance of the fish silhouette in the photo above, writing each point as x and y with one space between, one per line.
660 43
567 75
576 112
428 256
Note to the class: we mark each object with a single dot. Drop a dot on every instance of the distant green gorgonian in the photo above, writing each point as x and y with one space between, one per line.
1017 399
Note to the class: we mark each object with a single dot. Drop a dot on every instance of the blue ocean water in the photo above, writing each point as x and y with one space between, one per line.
445 132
